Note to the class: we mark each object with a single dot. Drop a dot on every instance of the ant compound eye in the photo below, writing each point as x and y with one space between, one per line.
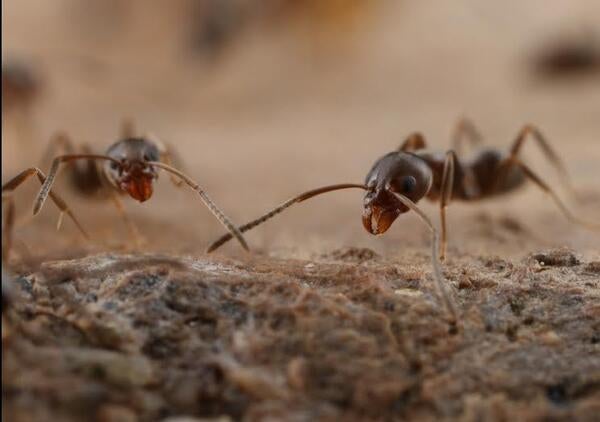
409 183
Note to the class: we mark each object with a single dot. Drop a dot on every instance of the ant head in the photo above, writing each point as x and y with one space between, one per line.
396 172
132 173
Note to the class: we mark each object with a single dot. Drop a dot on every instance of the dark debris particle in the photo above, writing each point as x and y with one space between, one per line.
557 258
160 347
24 284
511 332
110 305
557 394
516 306
592 267
496 263
352 254
139 284
234 310
528 320
512 225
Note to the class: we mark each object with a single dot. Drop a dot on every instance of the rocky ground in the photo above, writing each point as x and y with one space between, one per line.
346 336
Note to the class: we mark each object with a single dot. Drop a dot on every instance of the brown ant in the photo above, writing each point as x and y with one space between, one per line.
130 166
399 179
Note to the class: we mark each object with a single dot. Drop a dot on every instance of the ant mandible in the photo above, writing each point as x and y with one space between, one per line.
130 166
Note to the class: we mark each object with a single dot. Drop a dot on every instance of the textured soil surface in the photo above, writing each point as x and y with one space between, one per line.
346 336
322 321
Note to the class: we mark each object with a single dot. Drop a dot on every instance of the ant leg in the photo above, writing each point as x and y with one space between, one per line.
133 230
47 182
544 186
446 195
548 151
302 197
413 142
16 181
465 130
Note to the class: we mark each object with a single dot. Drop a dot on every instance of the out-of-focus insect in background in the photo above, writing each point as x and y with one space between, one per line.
266 98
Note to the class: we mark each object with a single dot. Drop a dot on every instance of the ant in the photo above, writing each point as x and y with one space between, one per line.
129 166
413 172
399 179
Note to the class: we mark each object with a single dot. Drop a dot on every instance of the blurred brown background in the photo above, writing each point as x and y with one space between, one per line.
267 99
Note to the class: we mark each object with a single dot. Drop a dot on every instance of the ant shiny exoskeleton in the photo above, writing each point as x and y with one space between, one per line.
130 166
